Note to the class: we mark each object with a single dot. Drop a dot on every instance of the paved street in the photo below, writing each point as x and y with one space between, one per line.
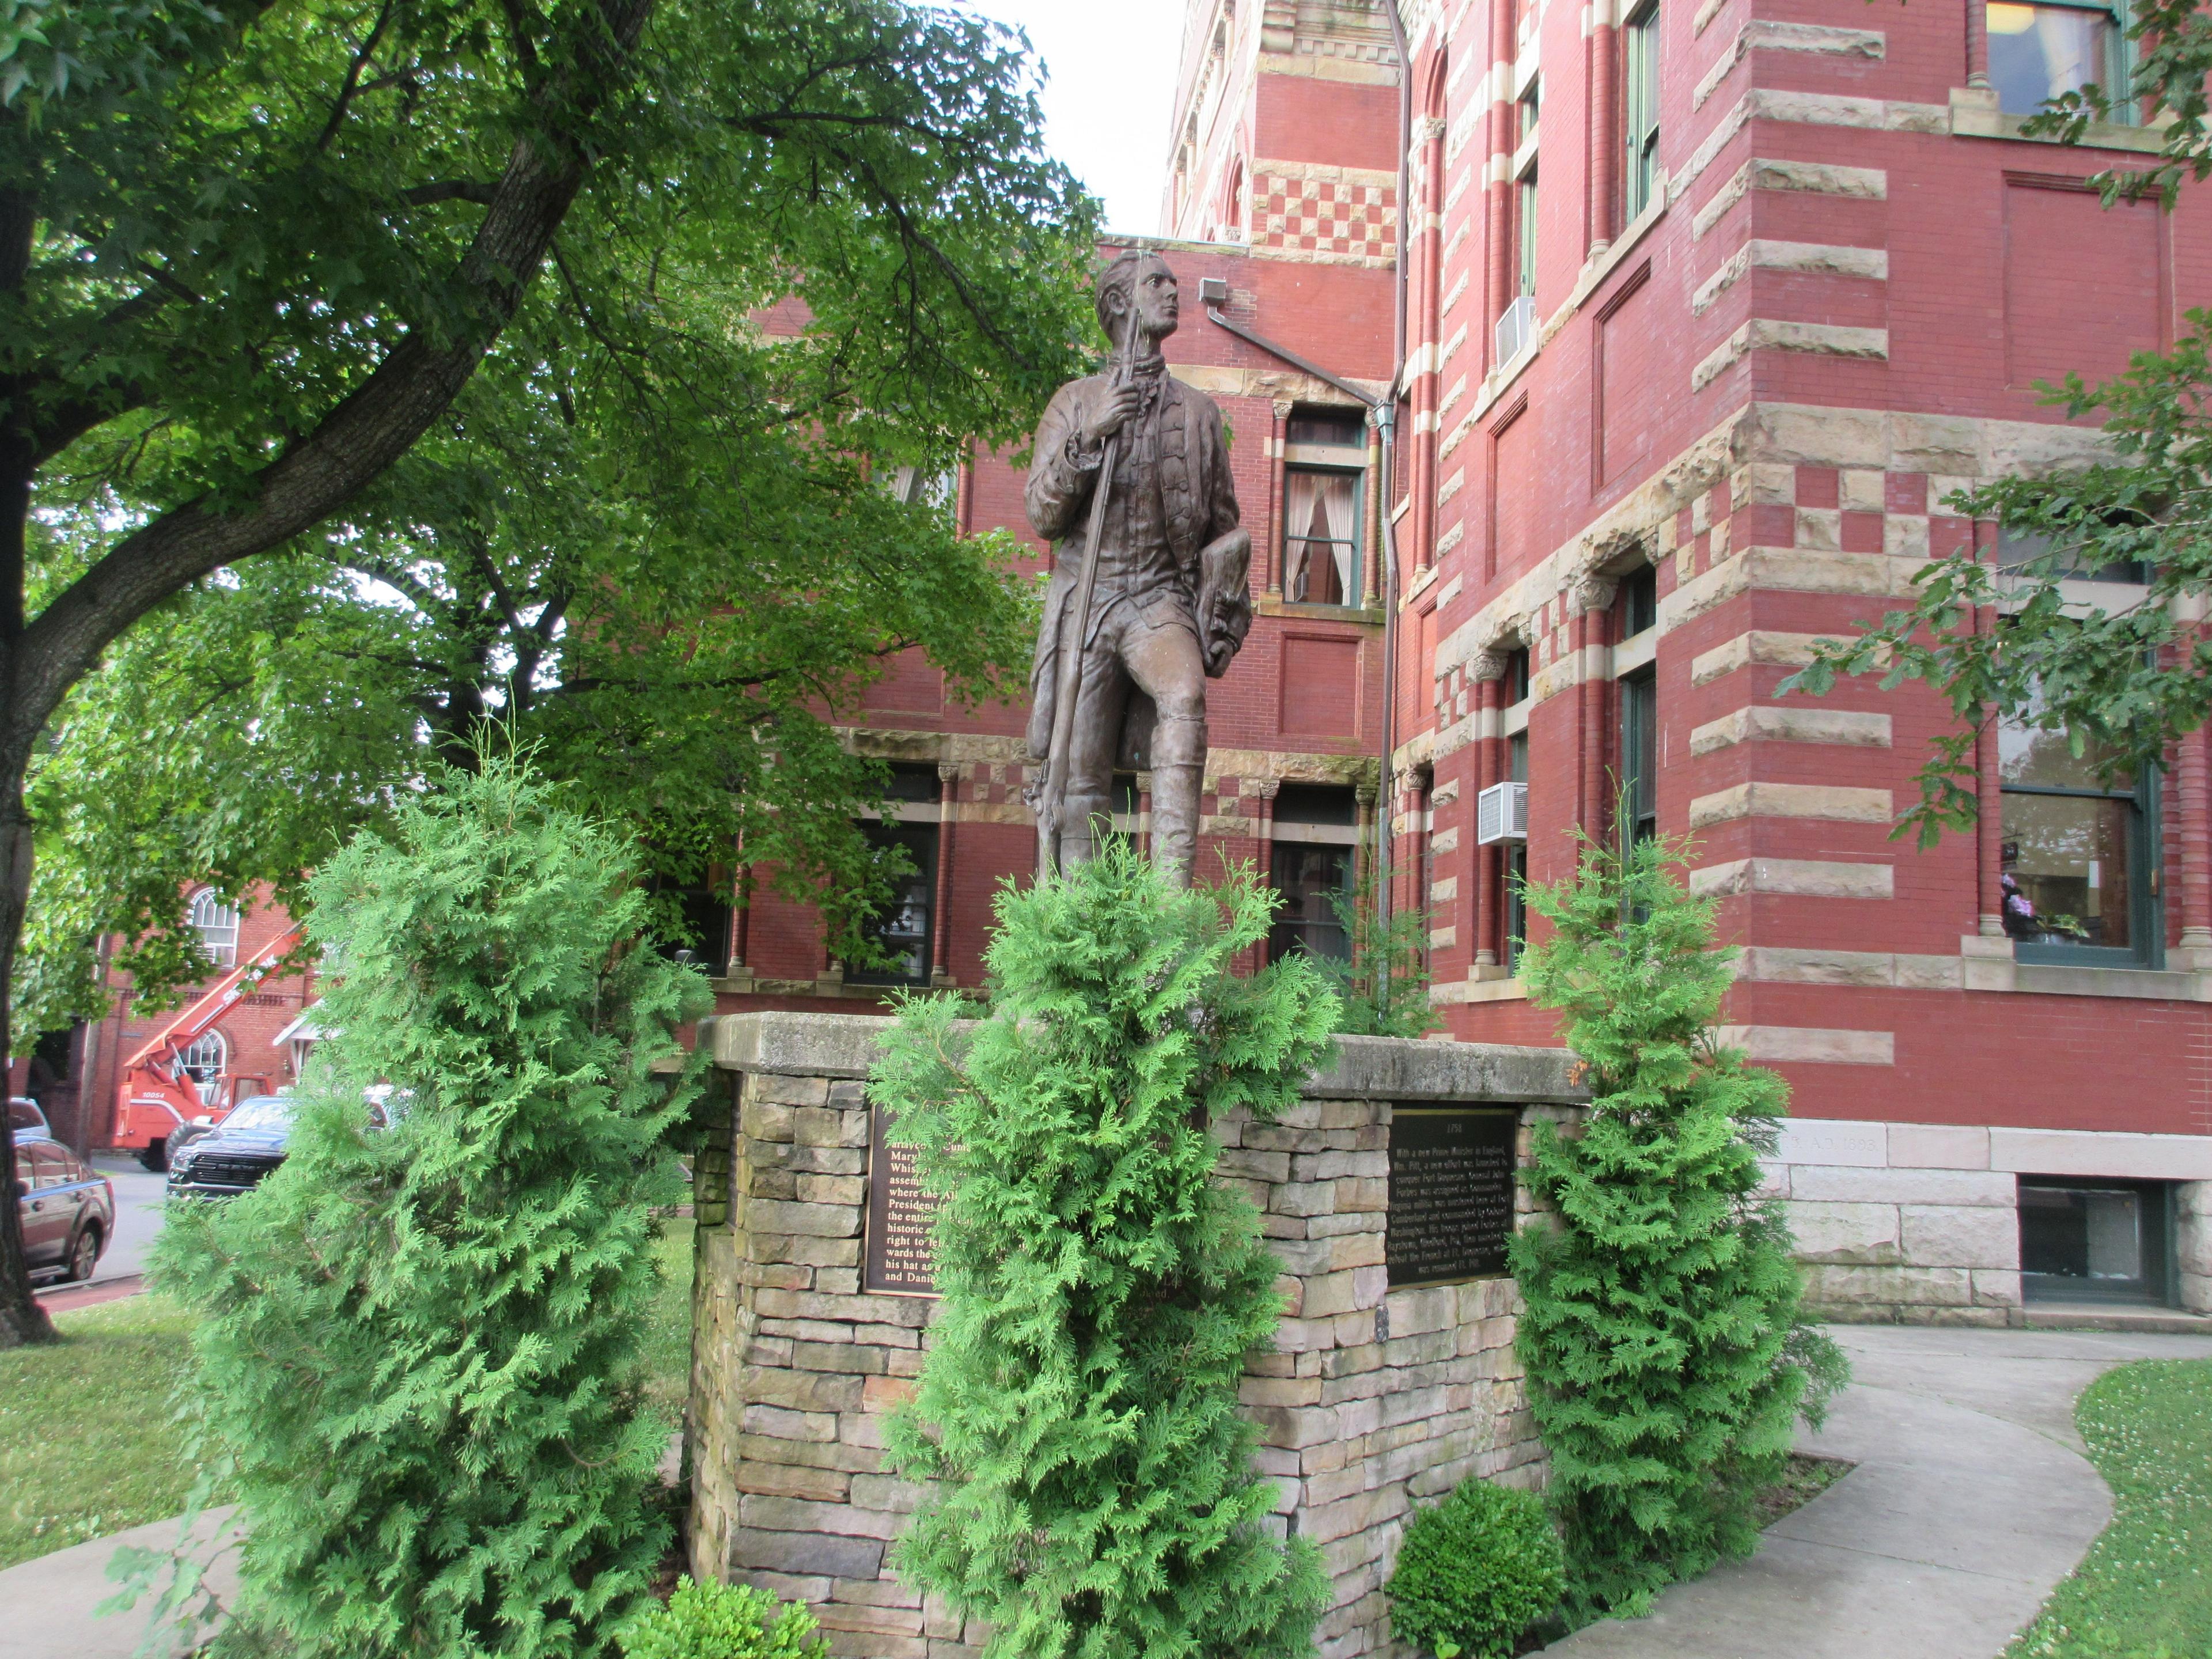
1972 1500
138 1215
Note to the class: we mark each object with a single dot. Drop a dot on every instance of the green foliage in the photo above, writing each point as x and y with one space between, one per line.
1382 986
421 1345
644 533
2144 1590
1101 1291
1667 1360
1475 1571
2128 681
722 1621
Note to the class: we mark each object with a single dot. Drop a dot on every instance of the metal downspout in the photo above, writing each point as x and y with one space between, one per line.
1385 419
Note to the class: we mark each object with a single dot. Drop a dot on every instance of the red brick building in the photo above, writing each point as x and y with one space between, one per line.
1708 310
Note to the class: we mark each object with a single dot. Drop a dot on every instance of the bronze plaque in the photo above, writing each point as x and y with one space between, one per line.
1451 1192
896 1248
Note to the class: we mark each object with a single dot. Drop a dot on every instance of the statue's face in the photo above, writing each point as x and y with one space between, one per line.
1159 305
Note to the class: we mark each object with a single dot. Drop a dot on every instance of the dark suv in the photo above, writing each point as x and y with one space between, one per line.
68 1211
233 1156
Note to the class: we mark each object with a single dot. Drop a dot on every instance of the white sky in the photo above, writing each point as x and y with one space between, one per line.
1110 66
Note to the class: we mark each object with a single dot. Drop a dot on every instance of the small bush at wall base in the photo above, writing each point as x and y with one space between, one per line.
1474 1571
723 1621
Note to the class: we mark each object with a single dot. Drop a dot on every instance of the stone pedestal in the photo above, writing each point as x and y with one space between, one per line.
1373 1398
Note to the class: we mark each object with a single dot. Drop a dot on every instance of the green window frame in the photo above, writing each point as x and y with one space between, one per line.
1525 233
1639 758
1517 852
1640 108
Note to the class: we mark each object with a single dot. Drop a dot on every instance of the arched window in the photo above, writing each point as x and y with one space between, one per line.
216 923
203 1062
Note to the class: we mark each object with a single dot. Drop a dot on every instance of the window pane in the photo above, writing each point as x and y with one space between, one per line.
2067 877
901 926
1311 425
2037 52
2018 551
1639 756
1322 527
2084 1234
1641 100
1308 876
1525 233
1317 803
1517 908
2045 759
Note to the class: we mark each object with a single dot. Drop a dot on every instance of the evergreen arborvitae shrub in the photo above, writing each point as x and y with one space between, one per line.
1101 1291
712 1621
1475 1571
420 1352
1667 1361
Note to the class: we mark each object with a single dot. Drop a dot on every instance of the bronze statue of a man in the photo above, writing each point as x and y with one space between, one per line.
1167 601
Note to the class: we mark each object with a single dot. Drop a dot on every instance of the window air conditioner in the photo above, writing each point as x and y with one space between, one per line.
1516 327
1501 814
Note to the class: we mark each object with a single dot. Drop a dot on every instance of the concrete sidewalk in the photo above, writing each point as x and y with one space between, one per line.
1972 1500
46 1605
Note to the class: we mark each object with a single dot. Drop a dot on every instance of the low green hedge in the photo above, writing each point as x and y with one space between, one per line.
723 1621
1475 1571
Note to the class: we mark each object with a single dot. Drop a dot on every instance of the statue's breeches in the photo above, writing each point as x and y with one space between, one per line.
1157 655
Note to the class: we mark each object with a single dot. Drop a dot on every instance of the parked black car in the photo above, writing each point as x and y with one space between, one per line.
233 1156
67 1210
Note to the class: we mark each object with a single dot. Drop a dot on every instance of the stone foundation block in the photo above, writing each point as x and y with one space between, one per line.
1960 1237
1860 1233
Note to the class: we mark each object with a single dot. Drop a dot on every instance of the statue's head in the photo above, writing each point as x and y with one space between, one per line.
1142 279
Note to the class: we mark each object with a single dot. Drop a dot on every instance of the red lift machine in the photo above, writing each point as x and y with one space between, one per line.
156 1096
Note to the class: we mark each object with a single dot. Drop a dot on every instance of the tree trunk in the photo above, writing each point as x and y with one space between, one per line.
21 1319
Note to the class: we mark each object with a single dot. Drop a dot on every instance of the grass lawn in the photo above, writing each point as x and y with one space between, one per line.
668 1334
87 1446
2144 1591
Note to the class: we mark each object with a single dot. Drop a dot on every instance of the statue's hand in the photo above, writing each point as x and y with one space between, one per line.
1112 415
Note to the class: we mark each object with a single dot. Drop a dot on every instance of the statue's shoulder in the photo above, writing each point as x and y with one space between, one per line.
1089 387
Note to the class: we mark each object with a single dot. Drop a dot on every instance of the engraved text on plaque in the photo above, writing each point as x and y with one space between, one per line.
896 1248
1451 1192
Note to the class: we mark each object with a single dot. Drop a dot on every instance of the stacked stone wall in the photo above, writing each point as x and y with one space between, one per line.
1372 1401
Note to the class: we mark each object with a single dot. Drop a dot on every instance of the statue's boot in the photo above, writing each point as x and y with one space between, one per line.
1086 814
1175 789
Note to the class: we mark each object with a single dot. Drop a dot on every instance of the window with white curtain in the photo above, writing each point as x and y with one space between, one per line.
1321 546
216 923
2040 52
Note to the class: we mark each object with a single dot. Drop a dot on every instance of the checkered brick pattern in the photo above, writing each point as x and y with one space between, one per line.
1314 216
